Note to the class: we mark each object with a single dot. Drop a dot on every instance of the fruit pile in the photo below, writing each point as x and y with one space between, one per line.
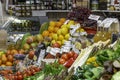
7 57
58 31
8 74
30 42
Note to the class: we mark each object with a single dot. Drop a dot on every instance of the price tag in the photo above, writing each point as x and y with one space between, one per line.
66 49
66 22
107 22
41 56
83 33
94 17
75 50
74 28
48 49
53 51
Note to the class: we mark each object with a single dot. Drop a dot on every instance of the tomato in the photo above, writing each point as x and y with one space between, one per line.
65 56
12 77
75 56
70 54
61 61
31 54
18 73
20 77
37 69
69 62
29 73
15 77
57 45
33 71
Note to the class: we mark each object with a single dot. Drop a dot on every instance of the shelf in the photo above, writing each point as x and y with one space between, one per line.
43 12
105 11
33 32
53 10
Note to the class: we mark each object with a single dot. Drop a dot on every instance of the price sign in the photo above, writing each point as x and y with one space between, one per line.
74 28
107 22
53 51
94 17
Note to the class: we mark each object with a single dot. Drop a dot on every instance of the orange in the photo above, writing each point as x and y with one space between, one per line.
0 62
45 33
13 51
52 23
9 63
56 29
62 20
50 34
51 29
58 24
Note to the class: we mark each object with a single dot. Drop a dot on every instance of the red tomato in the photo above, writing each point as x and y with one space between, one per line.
20 77
70 54
65 56
57 45
75 56
31 54
18 73
61 61
69 62
15 77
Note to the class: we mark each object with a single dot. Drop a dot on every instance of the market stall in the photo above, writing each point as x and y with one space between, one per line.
81 46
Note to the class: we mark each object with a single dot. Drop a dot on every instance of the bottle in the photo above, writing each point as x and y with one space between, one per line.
94 4
108 4
98 35
116 5
74 4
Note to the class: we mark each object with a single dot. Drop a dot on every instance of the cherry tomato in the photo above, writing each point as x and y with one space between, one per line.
61 61
65 56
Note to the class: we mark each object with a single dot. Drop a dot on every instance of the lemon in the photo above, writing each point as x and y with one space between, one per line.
71 22
82 30
64 26
53 41
63 41
59 32
59 42
64 31
67 36
60 37
54 37
52 23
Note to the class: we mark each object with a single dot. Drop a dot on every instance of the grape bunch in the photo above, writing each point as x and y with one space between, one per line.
79 14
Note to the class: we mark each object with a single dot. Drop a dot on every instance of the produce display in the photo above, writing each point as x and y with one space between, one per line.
62 51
